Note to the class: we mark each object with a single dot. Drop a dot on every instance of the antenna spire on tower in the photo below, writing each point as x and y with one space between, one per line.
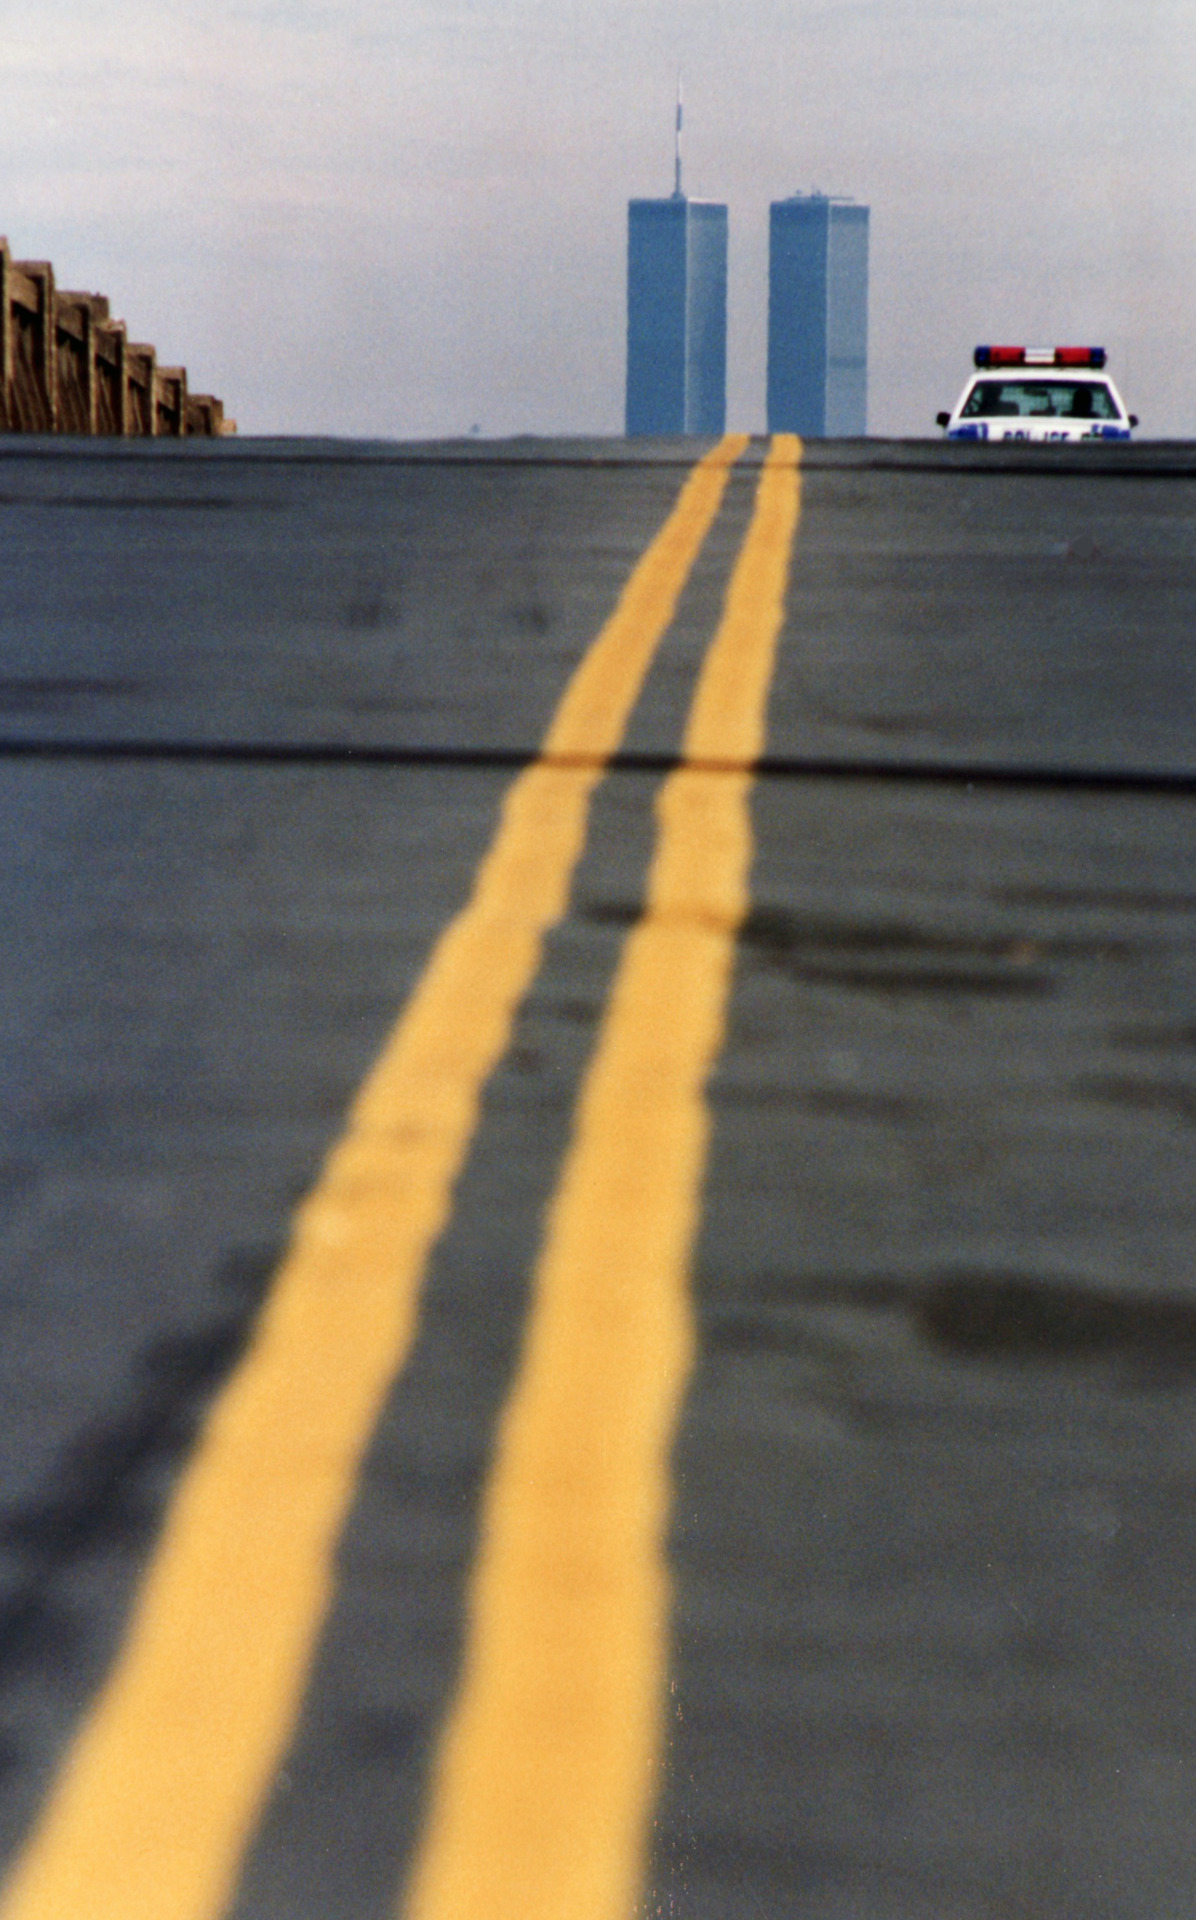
677 147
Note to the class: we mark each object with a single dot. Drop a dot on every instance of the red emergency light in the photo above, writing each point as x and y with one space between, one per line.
1039 357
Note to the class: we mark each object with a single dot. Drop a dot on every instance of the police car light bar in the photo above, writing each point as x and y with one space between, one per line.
1039 357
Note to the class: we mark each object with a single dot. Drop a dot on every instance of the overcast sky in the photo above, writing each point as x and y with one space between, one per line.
395 217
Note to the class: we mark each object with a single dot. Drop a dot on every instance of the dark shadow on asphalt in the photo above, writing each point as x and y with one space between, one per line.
1012 1318
1021 1319
107 1488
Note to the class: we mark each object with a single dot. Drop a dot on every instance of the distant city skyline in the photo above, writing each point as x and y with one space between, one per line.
356 219
818 316
676 314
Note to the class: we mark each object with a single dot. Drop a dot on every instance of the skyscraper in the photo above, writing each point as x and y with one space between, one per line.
817 316
676 312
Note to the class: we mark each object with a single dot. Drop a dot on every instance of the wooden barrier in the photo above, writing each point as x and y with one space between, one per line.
67 367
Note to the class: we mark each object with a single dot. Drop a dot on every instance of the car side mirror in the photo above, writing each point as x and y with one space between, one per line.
1133 419
941 419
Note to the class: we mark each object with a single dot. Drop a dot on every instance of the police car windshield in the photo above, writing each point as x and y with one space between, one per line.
1055 399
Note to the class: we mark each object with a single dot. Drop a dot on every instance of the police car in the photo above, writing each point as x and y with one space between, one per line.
1039 393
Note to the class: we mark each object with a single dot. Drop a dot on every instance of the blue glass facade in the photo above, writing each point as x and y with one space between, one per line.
817 317
676 316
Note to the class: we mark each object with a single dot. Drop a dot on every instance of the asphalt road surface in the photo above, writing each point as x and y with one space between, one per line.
588 1332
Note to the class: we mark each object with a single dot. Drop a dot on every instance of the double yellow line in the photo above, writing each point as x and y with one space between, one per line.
545 1772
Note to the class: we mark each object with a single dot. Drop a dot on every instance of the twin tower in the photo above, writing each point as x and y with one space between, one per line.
817 316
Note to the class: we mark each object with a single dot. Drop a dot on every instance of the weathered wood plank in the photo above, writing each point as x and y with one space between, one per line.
67 367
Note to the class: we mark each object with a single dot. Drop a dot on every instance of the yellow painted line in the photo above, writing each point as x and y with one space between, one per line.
546 1772
158 1797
